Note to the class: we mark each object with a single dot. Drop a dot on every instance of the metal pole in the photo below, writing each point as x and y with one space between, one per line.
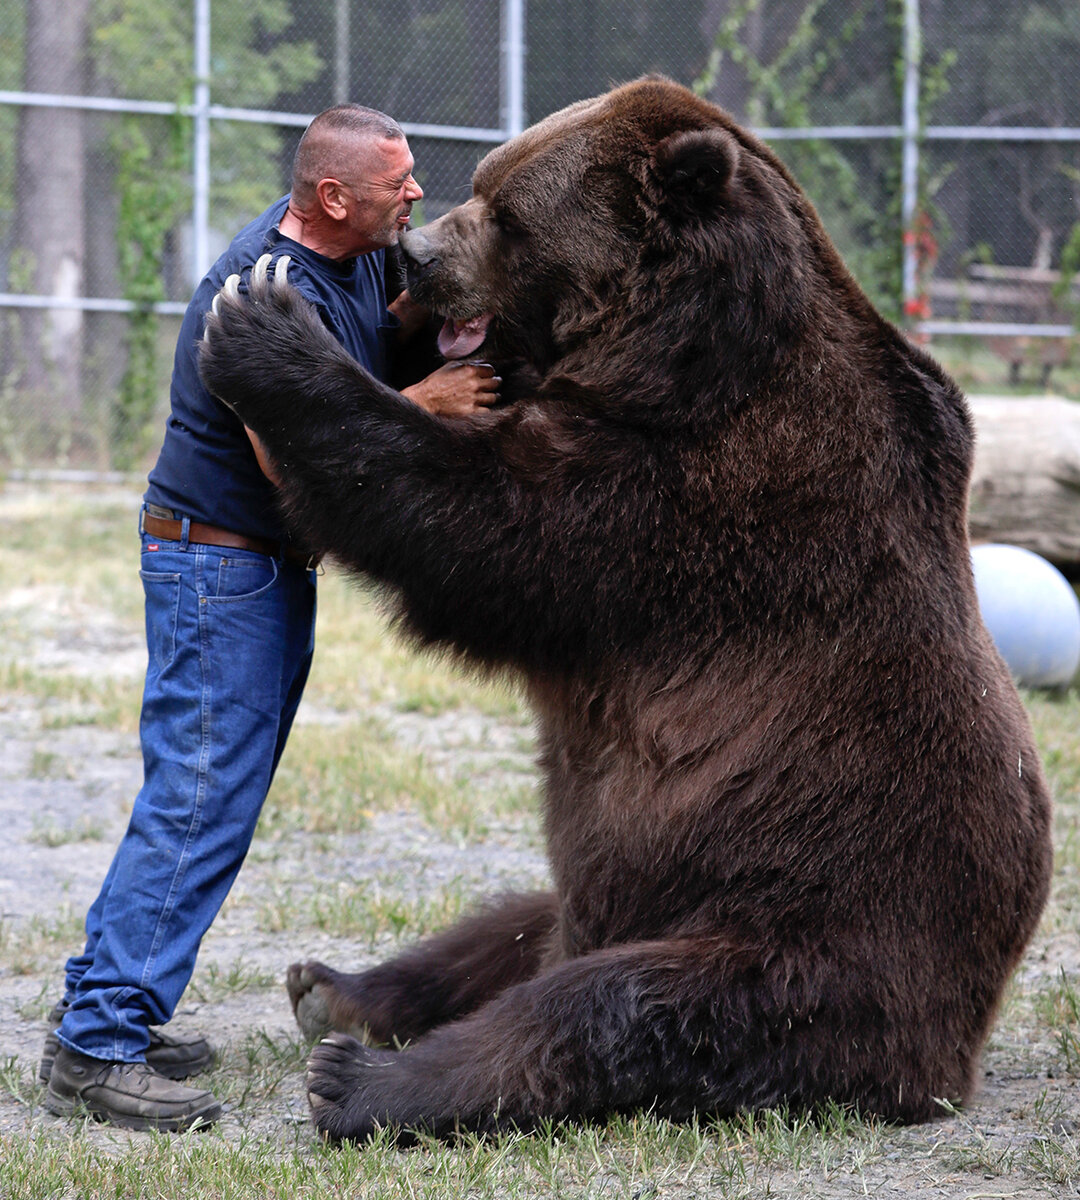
512 82
910 161
341 52
200 215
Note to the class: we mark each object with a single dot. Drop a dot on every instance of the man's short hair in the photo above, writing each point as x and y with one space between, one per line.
333 146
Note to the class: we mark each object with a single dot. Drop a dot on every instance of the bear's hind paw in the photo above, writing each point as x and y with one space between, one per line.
346 1082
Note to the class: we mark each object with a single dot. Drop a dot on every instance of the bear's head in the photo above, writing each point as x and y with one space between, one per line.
644 209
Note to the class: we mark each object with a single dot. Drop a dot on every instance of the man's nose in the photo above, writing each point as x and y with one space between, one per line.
413 191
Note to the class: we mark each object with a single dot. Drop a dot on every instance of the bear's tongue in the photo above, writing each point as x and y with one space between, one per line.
458 339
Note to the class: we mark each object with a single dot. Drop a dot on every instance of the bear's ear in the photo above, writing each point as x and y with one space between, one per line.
695 168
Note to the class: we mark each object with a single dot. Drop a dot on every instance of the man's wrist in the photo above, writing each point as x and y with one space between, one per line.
408 312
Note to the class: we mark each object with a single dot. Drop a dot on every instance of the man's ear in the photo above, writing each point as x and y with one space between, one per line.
695 168
330 194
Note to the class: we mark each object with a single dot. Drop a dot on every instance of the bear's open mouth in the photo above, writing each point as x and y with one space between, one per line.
459 339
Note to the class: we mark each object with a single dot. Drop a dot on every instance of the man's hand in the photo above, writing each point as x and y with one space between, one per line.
456 389
263 459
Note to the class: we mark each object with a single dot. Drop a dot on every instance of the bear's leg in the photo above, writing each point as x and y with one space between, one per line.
439 980
676 1027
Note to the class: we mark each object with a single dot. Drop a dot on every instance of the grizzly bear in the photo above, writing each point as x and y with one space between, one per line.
797 826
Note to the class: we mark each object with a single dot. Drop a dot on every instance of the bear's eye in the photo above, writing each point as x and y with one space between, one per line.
508 223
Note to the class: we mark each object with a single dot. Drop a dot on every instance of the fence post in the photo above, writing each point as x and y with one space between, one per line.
912 51
341 52
512 117
200 216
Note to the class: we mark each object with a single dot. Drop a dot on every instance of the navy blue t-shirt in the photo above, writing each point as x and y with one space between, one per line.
207 469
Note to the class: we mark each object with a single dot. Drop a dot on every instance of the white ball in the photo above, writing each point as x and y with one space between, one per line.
1032 613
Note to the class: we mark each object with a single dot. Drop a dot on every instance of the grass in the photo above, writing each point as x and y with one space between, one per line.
335 778
354 761
367 912
213 983
633 1158
51 833
67 700
1058 1009
30 946
978 370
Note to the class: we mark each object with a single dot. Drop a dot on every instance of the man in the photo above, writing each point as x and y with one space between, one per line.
230 610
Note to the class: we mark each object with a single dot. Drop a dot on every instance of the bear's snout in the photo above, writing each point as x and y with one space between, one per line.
421 257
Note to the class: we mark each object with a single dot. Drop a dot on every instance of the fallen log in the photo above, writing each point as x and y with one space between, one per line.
1025 488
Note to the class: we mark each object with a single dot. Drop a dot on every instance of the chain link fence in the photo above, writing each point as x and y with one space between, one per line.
940 142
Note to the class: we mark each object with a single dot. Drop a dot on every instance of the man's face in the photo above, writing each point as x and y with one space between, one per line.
381 201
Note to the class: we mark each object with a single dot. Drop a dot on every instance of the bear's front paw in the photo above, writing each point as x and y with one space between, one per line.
351 1088
228 305
240 330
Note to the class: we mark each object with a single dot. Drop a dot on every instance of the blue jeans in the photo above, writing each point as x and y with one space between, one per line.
230 635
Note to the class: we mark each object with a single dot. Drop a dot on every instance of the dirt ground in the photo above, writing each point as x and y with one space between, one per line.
1020 1137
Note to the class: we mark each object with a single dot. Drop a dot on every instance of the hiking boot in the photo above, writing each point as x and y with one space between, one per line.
131 1095
173 1056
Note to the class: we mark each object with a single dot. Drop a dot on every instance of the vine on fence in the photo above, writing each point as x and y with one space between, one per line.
152 195
781 93
867 228
1070 260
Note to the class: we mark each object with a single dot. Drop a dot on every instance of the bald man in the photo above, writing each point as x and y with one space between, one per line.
230 615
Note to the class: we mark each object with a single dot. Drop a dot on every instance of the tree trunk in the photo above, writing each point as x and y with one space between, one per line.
49 225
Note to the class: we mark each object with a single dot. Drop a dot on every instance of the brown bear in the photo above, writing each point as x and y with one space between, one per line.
797 826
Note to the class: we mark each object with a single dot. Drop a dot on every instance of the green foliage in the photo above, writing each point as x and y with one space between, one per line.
1058 1007
11 70
153 196
854 184
1070 264
1070 258
782 89
143 49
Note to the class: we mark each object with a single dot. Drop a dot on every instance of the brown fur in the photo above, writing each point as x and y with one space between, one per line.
797 826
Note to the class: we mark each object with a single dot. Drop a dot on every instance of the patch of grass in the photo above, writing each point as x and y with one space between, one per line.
360 662
370 911
1055 1158
1058 1008
46 764
375 909
40 943
213 982
833 1140
334 778
107 703
636 1158
19 1081
38 1008
48 832
253 1072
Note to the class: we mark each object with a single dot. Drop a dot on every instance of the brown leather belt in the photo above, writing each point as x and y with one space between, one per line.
211 535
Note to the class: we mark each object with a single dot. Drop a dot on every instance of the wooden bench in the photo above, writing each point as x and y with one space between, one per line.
1012 295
